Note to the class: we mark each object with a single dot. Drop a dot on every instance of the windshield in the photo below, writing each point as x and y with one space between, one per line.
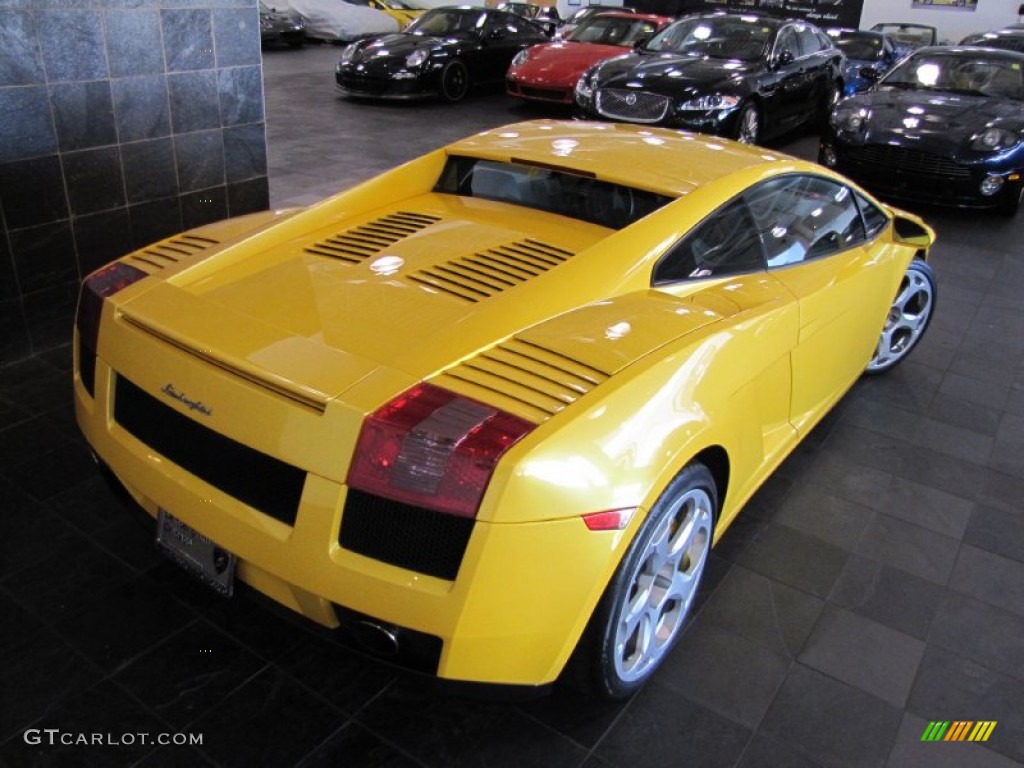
613 30
908 34
563 192
447 21
860 47
966 73
725 37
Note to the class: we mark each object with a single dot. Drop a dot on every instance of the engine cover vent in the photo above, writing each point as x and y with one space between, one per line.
489 272
357 244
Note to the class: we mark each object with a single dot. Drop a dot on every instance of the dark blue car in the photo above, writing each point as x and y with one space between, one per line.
945 126
864 51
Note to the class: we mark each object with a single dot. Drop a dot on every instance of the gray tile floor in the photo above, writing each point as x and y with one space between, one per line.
875 583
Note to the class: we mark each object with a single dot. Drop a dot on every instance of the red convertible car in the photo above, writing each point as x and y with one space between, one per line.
549 71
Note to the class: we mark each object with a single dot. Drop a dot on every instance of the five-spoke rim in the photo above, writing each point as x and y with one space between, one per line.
663 584
908 317
749 126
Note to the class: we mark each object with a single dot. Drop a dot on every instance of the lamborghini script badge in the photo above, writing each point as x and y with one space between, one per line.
181 397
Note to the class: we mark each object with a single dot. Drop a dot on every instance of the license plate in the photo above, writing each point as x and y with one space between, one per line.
195 553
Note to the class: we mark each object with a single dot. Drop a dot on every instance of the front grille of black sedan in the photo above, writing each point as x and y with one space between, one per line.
266 484
633 106
902 160
400 534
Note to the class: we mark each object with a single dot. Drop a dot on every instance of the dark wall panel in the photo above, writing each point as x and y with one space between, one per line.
120 123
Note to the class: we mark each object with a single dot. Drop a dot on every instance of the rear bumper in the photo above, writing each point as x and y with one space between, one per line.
511 615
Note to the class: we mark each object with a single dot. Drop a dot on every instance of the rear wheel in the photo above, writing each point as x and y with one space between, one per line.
454 81
644 608
908 318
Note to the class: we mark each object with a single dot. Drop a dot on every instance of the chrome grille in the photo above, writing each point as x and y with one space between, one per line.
634 106
359 243
491 271
903 160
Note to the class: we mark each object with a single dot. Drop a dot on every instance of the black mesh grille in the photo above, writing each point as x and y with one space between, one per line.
400 534
263 482
907 161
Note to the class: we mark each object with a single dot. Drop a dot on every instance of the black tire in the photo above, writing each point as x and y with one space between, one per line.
748 124
908 318
608 661
454 81
1011 203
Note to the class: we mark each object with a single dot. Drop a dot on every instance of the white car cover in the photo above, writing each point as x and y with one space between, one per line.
338 20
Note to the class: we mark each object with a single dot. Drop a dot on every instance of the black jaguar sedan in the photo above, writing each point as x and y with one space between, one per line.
743 76
946 127
442 53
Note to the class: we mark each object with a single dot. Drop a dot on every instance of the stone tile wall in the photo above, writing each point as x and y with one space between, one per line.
121 122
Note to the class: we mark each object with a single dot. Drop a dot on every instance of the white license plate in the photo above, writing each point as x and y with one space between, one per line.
208 562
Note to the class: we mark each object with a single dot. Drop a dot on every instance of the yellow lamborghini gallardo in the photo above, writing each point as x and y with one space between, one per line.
488 412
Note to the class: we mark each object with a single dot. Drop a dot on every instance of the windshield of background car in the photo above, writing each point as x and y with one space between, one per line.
553 190
970 73
861 47
908 34
447 21
725 37
612 30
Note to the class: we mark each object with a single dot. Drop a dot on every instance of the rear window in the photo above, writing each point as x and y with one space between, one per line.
554 190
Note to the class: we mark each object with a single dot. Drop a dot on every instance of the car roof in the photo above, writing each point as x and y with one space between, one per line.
663 160
970 50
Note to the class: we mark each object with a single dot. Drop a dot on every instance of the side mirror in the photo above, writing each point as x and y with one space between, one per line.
869 73
495 34
785 57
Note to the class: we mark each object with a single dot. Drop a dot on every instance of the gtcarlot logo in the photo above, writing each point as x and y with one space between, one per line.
54 736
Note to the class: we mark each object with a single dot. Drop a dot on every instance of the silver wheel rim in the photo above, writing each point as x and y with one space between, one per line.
906 321
662 586
748 126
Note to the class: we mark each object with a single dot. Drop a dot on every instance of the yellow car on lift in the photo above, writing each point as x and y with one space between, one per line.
487 412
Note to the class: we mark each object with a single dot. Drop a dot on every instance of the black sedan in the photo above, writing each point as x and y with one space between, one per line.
443 52
946 126
746 76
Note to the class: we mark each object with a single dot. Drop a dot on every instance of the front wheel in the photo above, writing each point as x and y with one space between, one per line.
748 124
454 81
908 317
644 608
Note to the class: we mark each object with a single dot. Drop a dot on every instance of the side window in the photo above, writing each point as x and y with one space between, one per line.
875 219
809 42
725 243
804 217
787 41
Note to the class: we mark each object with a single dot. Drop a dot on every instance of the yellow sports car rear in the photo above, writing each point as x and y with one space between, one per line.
488 412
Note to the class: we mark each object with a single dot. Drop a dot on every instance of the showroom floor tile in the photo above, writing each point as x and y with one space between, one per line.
875 583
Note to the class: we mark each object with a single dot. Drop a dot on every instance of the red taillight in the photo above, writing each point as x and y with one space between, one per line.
432 448
98 286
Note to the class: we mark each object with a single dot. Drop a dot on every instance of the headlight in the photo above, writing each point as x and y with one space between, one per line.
520 58
348 53
995 140
585 88
416 58
714 101
850 120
